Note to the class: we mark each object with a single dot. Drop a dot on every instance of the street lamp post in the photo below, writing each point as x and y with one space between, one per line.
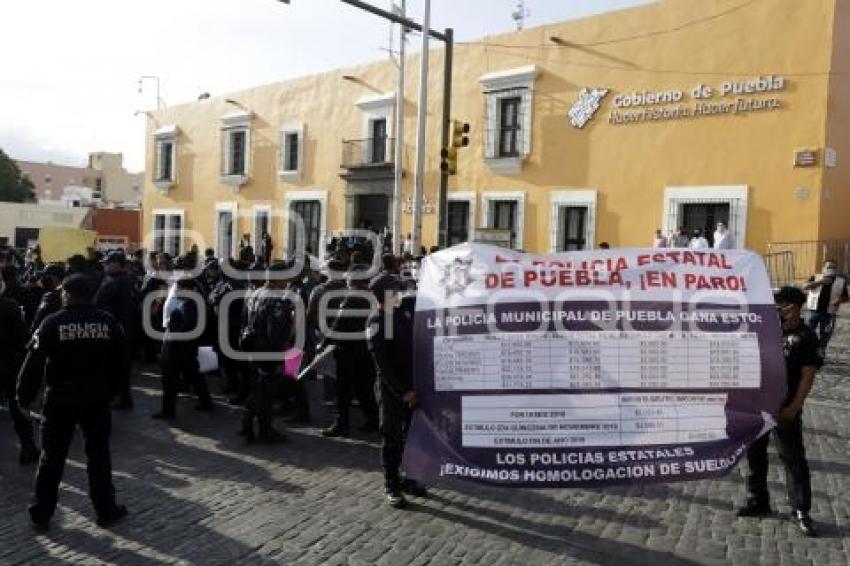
448 39
419 181
154 78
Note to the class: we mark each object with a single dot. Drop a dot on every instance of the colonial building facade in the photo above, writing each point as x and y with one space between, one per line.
674 114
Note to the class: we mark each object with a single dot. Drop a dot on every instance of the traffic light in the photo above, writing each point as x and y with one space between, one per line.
448 160
460 131
459 138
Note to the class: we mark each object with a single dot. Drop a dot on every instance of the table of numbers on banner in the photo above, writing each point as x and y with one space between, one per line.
597 360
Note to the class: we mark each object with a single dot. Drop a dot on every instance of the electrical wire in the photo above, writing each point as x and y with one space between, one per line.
624 39
650 71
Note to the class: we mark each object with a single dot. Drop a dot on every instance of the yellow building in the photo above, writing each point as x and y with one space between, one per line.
674 114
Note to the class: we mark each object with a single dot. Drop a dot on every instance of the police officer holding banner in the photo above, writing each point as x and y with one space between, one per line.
391 348
800 348
79 350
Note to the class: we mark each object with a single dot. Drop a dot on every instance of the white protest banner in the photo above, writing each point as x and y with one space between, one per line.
591 368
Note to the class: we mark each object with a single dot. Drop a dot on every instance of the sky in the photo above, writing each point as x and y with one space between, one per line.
70 76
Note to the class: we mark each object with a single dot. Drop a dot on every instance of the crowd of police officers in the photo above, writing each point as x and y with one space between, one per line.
77 327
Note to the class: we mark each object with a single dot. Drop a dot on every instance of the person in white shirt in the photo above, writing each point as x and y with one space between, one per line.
680 239
698 242
825 295
660 241
722 238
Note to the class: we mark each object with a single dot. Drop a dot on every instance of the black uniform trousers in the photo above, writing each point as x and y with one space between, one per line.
395 422
263 387
183 362
57 431
355 376
789 444
23 426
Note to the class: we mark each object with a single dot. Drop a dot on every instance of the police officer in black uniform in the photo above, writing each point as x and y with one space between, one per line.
800 347
13 339
51 301
231 317
355 372
79 350
392 355
179 356
116 296
268 327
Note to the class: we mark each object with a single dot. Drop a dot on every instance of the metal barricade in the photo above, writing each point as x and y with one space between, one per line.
792 263
780 268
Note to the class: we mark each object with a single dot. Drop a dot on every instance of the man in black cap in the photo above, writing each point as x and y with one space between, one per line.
79 351
51 301
391 348
116 297
13 339
268 328
800 347
355 372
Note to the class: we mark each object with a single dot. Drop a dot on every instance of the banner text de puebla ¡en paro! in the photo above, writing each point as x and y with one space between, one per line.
591 368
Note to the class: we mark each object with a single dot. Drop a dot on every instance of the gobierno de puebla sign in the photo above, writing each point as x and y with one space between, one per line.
702 100
729 97
591 368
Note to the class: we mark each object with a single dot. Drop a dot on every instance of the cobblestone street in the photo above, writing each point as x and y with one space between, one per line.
198 495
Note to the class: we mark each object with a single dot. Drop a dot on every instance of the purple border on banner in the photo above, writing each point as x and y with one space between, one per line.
435 449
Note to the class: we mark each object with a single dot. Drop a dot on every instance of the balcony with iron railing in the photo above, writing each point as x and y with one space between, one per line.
369 152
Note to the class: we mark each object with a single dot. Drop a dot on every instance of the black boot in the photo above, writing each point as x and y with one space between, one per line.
754 508
111 516
804 523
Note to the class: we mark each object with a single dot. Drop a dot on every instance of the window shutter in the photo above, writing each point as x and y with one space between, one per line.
300 164
172 176
525 120
491 131
281 152
224 157
246 153
673 216
556 223
158 157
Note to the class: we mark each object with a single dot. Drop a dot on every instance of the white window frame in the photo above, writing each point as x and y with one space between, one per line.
169 212
487 199
255 235
295 196
233 208
579 197
166 134
498 86
232 123
291 174
380 107
463 196
737 195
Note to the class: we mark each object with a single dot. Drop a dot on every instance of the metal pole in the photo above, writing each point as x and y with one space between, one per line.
443 239
399 139
419 183
395 18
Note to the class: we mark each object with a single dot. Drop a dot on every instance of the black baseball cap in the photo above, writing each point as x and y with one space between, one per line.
382 283
55 270
115 256
79 286
790 295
